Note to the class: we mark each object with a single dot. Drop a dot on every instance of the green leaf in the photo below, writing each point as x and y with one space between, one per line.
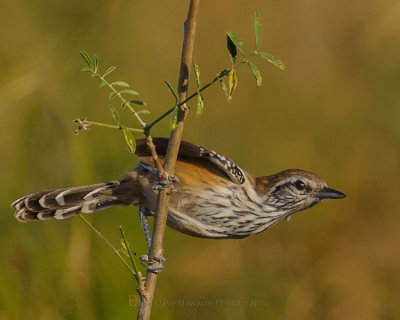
237 41
86 57
95 75
124 249
174 119
87 69
139 102
123 244
109 70
123 104
130 139
95 62
258 28
256 73
115 114
132 92
225 89
104 83
232 49
120 83
171 89
143 112
270 58
200 104
197 72
112 94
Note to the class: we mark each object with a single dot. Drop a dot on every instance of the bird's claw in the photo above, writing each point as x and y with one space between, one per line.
163 184
174 179
149 265
174 190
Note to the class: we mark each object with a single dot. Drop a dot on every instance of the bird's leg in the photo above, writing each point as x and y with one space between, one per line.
143 214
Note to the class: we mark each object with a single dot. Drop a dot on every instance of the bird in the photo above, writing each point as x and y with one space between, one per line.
213 197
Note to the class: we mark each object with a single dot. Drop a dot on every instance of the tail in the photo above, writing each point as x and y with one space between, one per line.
64 203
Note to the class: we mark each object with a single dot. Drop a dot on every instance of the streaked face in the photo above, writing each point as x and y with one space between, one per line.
300 190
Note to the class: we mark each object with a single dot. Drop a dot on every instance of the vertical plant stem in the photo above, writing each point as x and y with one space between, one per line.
156 250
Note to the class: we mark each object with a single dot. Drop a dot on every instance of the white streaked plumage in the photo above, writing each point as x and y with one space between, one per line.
60 197
59 214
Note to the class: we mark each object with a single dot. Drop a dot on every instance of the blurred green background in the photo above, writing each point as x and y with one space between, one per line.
335 111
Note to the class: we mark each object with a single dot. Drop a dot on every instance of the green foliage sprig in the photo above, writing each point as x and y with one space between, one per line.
118 88
92 67
235 43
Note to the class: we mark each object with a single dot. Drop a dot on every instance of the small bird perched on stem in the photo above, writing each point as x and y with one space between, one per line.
214 197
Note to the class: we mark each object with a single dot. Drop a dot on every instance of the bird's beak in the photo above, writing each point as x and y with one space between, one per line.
328 193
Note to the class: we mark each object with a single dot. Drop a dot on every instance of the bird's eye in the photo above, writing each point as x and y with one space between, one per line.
300 185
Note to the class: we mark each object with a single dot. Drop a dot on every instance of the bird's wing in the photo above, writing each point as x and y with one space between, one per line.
195 154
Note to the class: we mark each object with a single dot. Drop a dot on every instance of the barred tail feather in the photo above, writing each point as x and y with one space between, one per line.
64 203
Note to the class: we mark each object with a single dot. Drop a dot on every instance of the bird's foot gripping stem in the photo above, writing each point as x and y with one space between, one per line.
156 265
165 180
163 184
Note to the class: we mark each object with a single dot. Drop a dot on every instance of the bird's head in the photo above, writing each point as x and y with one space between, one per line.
294 190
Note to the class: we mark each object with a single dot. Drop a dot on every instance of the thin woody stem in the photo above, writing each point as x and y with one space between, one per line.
154 157
156 250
